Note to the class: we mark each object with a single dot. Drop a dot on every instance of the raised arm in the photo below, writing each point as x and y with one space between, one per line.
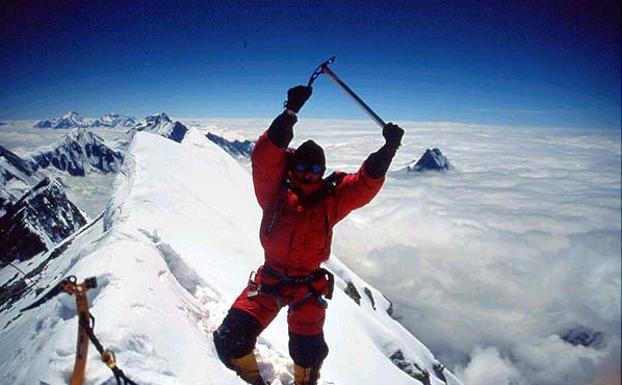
356 190
269 159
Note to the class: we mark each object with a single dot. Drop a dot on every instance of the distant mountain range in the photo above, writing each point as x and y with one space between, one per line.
159 124
35 213
114 120
74 120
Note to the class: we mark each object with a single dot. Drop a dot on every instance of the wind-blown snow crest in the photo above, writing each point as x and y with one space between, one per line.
175 248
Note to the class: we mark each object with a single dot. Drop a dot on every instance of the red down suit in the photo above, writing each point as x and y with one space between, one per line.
296 235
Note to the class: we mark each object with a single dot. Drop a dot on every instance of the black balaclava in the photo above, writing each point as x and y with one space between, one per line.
310 153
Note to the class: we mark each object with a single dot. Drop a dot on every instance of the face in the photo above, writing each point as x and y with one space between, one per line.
306 173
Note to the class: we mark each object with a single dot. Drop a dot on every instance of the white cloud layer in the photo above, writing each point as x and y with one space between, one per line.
490 265
487 367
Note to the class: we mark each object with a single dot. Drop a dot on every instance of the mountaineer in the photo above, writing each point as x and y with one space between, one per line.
300 208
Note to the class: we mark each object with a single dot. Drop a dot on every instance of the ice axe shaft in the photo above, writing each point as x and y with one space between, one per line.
354 97
323 68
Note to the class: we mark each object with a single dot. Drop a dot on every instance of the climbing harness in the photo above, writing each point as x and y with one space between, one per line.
285 281
86 324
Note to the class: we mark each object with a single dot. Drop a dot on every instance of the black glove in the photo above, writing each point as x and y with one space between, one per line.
297 96
392 135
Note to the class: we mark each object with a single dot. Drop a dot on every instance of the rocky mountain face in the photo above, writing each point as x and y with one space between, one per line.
79 152
235 148
40 219
35 213
162 125
431 160
16 178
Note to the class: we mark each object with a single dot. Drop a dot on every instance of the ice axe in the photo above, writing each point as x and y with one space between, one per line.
86 323
323 68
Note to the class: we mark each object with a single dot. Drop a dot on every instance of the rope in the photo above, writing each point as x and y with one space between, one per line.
107 355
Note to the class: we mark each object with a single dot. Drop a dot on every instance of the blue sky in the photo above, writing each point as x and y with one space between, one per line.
549 63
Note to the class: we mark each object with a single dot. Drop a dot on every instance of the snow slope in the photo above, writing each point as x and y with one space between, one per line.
171 253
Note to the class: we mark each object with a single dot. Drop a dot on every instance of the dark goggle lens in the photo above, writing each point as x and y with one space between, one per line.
313 168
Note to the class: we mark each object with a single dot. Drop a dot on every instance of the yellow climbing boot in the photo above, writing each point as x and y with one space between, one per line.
246 367
306 376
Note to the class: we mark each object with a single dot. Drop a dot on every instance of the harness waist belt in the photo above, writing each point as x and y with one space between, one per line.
302 279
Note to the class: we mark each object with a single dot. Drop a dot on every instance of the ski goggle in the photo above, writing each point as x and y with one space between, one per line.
312 168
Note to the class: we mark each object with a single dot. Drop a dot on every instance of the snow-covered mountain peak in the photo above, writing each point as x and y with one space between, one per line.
158 118
152 121
72 115
161 124
70 120
38 221
114 120
79 152
82 135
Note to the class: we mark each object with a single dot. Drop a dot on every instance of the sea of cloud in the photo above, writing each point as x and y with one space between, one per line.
489 265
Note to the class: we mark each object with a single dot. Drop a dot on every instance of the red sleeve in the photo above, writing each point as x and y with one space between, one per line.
269 166
355 191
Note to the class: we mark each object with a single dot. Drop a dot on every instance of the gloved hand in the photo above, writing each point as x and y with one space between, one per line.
393 135
297 96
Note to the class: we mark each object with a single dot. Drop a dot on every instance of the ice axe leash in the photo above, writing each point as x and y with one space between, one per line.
323 68
86 324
